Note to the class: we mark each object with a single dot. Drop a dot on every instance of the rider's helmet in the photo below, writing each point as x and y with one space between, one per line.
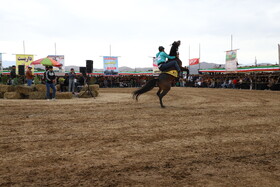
160 48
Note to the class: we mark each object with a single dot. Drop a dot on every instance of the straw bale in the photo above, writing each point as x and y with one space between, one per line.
26 90
12 95
43 88
6 88
94 86
64 95
82 94
57 87
37 95
96 92
91 87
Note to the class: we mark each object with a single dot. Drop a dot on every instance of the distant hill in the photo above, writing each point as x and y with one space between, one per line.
204 65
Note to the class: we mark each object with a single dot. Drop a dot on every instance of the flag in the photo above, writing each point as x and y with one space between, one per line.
156 71
194 61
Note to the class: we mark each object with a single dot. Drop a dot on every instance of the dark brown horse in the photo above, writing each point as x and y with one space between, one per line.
164 80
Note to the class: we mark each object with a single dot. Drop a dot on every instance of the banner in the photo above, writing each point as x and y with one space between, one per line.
24 60
58 58
194 61
1 68
110 65
156 71
231 60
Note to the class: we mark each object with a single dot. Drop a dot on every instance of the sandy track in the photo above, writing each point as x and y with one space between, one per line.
205 137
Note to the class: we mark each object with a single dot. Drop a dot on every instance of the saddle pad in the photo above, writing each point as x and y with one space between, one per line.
174 73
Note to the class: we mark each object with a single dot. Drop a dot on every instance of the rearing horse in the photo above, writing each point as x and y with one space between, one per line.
164 80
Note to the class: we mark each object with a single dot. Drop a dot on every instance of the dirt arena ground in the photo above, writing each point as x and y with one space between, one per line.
205 137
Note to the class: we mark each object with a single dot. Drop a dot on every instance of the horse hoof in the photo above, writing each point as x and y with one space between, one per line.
162 106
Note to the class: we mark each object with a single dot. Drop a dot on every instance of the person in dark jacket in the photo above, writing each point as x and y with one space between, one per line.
50 83
13 74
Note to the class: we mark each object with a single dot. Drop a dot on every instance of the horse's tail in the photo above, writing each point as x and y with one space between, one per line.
147 87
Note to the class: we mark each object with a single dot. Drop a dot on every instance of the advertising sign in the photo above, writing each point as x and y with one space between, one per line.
231 60
110 65
1 61
24 60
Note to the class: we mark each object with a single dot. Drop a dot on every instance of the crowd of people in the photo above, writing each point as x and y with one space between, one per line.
72 82
256 81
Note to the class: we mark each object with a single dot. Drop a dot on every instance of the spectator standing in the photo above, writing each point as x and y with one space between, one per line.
72 76
13 75
50 83
61 81
29 76
234 83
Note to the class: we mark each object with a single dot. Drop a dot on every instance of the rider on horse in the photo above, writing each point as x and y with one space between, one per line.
161 60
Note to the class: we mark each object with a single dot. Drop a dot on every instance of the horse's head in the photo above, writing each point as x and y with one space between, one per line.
174 48
176 43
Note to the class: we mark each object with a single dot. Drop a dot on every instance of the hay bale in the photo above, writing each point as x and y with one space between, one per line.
37 95
57 87
6 88
1 94
84 94
26 90
41 88
96 92
12 95
91 87
94 86
64 95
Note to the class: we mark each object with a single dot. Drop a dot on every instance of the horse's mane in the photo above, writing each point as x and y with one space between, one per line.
174 48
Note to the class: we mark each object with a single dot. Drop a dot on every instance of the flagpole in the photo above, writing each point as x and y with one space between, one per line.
255 61
54 50
189 57
199 57
23 47
279 54
189 52
231 42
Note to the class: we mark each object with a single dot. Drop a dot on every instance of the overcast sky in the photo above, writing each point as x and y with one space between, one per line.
134 29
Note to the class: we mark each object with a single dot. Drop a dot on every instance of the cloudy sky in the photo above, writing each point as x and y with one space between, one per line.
134 29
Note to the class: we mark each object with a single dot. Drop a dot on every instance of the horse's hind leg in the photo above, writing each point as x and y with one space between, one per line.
158 92
162 95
